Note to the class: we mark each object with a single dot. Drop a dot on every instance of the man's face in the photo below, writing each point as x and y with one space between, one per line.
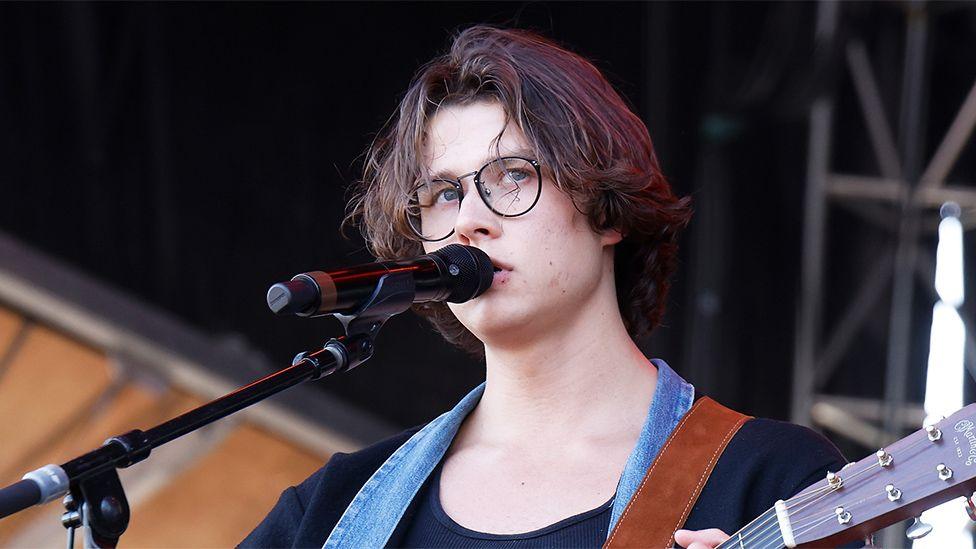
552 261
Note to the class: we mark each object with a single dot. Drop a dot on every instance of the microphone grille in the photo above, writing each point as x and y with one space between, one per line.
470 268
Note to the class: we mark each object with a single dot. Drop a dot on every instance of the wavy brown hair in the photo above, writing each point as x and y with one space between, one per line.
597 150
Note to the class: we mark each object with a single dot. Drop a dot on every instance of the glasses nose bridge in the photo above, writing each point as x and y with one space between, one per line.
483 207
467 175
476 180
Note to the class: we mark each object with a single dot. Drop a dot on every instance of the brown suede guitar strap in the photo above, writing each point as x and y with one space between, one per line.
676 477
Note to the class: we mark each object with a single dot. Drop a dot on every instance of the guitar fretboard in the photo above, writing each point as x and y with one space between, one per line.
761 533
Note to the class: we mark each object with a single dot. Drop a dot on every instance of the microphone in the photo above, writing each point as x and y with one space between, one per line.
454 273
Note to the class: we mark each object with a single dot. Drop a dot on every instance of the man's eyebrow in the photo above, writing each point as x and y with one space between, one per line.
521 153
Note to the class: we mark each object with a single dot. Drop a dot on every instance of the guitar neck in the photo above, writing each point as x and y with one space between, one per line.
918 472
762 533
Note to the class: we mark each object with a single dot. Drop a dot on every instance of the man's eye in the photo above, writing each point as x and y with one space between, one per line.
447 195
516 176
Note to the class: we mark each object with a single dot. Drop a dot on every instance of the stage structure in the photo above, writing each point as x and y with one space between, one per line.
904 199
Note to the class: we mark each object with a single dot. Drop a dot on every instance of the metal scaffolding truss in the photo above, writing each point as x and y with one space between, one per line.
908 186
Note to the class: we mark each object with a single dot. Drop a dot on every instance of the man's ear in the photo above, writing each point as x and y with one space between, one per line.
609 237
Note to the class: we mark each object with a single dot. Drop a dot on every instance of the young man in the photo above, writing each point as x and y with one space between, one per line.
511 144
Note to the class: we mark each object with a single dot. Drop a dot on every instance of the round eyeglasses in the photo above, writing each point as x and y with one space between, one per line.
510 186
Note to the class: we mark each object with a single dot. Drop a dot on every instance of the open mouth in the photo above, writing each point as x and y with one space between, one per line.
501 272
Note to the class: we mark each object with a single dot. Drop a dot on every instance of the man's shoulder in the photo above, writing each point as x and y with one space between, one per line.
766 449
770 443
354 468
765 461
376 452
306 513
777 458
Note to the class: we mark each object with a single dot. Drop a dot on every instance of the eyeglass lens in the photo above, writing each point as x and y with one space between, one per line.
509 187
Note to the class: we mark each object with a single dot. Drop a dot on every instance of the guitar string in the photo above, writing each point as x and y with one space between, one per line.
767 517
769 526
776 541
773 527
869 468
854 505
772 530
801 528
824 491
805 527
814 524
736 540
847 478
810 526
767 522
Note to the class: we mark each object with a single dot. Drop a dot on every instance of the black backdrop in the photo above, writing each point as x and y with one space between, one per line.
192 154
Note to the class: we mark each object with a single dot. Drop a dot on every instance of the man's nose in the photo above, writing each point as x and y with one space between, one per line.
475 221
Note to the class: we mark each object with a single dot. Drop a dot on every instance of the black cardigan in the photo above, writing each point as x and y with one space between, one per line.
765 461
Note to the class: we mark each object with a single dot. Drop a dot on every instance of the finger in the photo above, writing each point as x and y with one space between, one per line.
708 538
684 537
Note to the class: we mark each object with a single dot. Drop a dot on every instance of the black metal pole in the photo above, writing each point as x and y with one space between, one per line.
131 449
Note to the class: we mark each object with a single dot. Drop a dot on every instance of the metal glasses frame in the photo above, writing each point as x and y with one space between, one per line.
482 192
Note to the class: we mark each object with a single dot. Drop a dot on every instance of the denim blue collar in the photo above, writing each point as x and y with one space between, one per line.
374 513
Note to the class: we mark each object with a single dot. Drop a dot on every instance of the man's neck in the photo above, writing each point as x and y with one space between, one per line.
587 381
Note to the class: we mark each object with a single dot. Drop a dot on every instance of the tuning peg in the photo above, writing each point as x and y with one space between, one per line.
945 473
834 480
918 530
971 507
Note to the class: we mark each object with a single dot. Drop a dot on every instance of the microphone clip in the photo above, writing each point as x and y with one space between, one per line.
394 294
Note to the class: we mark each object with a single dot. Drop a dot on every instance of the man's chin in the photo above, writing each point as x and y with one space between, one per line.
500 328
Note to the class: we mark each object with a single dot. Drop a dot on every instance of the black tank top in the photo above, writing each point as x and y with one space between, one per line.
431 527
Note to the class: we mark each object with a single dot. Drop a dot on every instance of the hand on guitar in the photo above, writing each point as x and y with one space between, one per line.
700 539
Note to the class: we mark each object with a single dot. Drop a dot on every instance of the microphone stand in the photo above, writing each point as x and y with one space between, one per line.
95 498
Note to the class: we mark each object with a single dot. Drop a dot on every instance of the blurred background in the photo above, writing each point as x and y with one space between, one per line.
162 164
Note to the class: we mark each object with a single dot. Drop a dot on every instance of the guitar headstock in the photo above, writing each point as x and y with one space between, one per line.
920 471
